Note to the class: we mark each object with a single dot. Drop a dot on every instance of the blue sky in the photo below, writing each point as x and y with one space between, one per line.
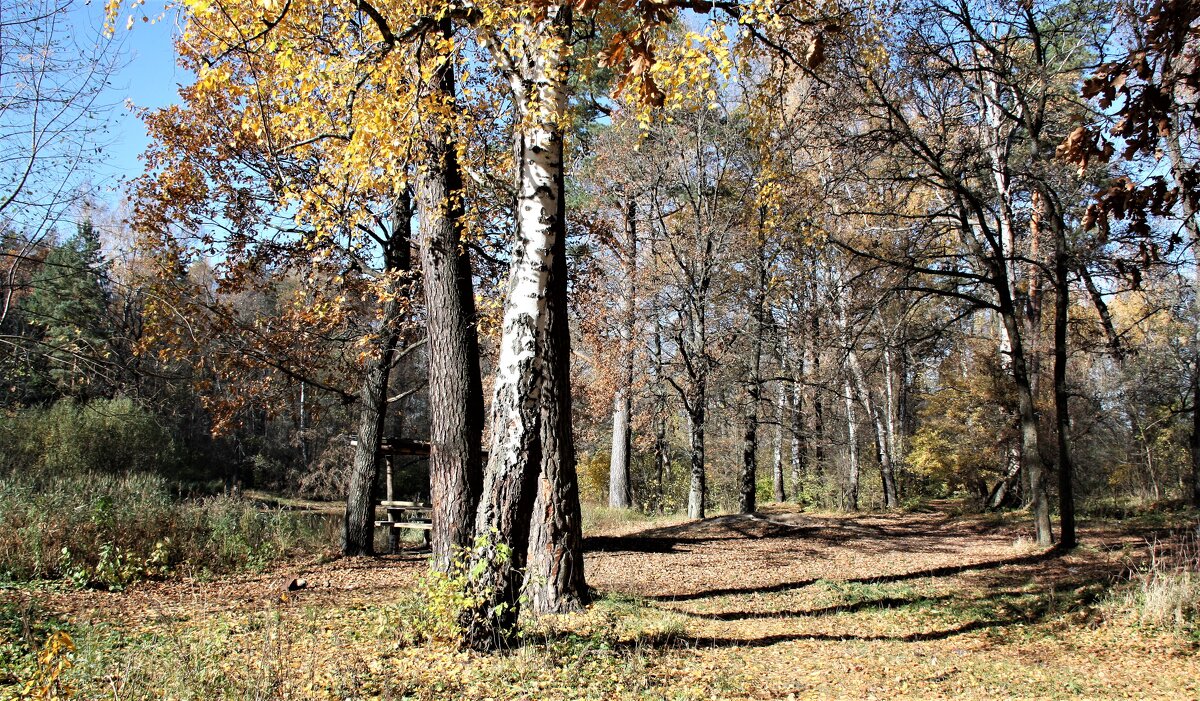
148 78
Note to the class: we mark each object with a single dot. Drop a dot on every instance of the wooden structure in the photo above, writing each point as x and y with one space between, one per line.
400 514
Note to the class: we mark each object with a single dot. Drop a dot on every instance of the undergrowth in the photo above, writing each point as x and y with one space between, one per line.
1164 593
107 530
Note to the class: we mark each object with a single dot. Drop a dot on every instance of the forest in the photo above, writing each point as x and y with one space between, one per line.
604 349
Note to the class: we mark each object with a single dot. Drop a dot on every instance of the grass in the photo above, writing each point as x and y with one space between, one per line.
1165 592
107 531
1015 626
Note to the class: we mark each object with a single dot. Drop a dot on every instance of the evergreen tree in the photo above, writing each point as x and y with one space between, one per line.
67 310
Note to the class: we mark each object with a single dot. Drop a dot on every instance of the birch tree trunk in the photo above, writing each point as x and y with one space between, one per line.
555 578
799 454
516 457
455 386
851 446
874 412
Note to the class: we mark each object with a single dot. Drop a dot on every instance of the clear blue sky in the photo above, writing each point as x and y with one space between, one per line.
149 78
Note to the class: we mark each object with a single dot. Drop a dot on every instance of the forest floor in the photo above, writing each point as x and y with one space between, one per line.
779 605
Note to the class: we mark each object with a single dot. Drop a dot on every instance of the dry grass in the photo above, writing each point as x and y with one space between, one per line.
1165 592
783 605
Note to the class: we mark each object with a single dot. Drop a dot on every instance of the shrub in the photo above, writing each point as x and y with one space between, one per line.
108 530
102 435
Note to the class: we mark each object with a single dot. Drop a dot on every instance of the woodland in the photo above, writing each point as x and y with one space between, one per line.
750 349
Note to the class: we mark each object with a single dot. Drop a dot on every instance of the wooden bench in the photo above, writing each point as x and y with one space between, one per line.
405 515
411 515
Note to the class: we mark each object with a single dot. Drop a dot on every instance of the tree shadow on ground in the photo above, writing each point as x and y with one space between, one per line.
875 579
995 595
887 602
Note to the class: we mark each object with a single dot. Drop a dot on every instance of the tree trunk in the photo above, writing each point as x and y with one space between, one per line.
619 496
515 460
358 528
748 502
1030 452
662 458
1191 223
697 490
800 442
778 489
818 423
1062 417
455 387
555 578
874 412
852 447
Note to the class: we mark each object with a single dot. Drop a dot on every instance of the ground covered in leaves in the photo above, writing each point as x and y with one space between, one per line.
779 605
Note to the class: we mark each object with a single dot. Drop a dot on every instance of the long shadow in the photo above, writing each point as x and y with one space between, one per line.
677 641
889 602
881 579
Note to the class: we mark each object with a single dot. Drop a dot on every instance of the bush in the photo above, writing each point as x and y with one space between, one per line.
103 435
108 530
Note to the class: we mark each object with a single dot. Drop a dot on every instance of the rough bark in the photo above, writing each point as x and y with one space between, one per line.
697 489
515 460
555 578
455 387
358 526
778 488
1030 450
662 457
818 404
747 502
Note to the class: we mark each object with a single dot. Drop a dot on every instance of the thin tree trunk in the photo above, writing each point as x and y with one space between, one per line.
456 403
777 476
619 496
358 528
800 440
851 494
662 458
818 423
1062 417
697 489
874 412
748 502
